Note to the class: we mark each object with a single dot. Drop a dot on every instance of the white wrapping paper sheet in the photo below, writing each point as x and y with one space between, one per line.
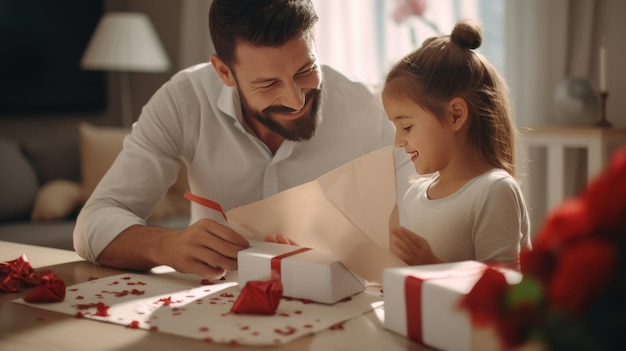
347 211
179 304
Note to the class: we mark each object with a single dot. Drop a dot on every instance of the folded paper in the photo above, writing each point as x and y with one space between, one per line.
347 212
310 274
259 297
423 303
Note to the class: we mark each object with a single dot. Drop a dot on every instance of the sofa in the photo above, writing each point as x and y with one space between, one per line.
45 180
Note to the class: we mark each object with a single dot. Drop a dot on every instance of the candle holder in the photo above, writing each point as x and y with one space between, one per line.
604 123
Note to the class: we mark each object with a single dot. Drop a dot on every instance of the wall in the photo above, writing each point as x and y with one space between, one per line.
165 15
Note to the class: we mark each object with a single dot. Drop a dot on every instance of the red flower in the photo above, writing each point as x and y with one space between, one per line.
570 220
409 8
585 270
539 264
486 300
606 196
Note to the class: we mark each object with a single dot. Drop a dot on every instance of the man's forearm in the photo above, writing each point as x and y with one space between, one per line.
136 248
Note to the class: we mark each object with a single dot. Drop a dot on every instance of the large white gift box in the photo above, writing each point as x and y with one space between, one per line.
422 302
308 274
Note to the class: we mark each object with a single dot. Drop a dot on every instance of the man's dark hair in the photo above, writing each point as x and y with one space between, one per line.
258 22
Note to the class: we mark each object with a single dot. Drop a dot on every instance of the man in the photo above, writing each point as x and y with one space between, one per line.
257 120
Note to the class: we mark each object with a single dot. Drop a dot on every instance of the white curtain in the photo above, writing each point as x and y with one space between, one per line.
546 41
361 39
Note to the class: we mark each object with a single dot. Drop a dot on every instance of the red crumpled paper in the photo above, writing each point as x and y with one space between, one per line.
18 272
259 297
50 289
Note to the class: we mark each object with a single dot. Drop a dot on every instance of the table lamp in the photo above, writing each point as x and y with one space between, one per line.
125 42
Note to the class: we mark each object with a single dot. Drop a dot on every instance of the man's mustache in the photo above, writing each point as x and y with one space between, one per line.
284 109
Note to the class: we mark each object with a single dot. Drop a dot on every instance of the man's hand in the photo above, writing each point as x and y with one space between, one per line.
412 248
279 239
206 248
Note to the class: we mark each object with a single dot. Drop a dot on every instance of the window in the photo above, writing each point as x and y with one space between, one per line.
361 38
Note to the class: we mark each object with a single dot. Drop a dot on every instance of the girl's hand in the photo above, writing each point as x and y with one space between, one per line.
412 248
279 239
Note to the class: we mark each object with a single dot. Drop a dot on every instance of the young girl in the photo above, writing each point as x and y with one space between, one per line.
452 115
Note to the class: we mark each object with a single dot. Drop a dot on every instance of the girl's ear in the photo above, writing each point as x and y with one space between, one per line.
223 71
458 113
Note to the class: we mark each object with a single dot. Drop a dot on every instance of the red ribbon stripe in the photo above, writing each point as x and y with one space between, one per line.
205 202
413 299
275 263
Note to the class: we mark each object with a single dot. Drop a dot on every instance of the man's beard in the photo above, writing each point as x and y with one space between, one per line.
300 129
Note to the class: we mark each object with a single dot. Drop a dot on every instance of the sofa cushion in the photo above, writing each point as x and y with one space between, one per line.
57 199
55 156
18 182
99 146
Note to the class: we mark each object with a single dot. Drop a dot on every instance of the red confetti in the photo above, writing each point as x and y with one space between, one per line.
203 329
133 325
127 278
83 306
206 282
166 300
286 331
91 278
227 295
338 326
79 297
79 314
102 310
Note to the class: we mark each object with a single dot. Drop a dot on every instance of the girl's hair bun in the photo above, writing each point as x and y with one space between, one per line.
467 34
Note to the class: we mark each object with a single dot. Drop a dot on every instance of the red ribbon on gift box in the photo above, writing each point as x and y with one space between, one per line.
275 263
413 287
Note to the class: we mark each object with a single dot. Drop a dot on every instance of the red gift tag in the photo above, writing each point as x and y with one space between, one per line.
259 297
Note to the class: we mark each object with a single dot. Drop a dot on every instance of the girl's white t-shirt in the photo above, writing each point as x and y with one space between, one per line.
485 220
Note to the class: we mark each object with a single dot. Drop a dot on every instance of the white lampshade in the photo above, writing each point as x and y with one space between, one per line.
125 41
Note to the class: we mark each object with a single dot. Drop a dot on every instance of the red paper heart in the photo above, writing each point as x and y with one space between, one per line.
259 297
50 289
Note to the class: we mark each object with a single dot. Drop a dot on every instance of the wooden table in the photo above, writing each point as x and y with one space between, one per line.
27 328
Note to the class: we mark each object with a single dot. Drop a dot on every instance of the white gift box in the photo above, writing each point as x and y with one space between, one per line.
431 314
308 274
